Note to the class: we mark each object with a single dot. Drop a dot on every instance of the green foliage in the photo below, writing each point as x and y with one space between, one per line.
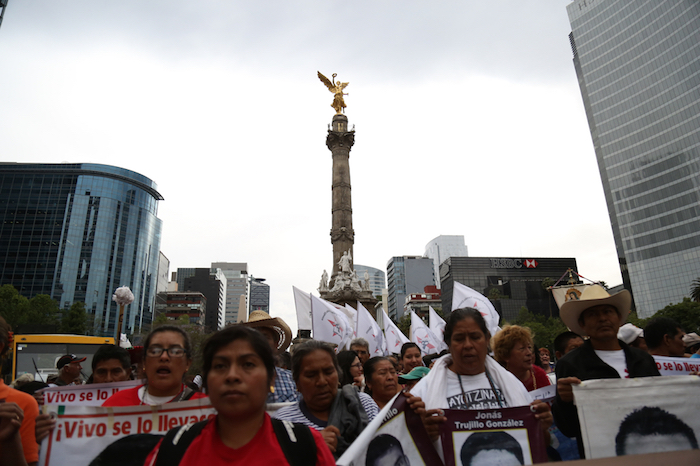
686 313
404 324
695 290
17 310
544 329
75 320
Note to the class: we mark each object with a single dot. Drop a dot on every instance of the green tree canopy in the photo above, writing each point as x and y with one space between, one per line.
17 310
75 320
686 313
544 329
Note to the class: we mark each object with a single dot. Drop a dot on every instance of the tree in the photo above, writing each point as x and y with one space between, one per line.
695 290
686 313
42 310
75 320
13 307
544 329
404 324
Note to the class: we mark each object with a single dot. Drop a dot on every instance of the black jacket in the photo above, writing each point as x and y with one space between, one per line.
586 365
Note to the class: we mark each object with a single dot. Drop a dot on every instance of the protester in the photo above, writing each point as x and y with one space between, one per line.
664 337
361 347
238 374
279 336
633 336
110 364
350 369
547 364
467 378
69 370
692 345
512 348
412 378
167 357
394 358
410 357
566 342
382 383
340 415
598 315
18 412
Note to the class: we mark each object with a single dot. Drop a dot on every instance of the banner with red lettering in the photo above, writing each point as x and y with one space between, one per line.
677 366
85 395
84 434
492 436
641 415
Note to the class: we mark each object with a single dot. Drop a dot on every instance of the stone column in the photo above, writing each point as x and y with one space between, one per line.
340 141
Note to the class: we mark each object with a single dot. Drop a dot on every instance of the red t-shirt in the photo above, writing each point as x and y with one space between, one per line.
208 449
130 397
540 376
31 411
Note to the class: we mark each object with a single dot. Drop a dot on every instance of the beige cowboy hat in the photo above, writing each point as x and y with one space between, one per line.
258 319
594 295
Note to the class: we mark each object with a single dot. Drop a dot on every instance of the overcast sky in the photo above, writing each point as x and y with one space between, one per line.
468 118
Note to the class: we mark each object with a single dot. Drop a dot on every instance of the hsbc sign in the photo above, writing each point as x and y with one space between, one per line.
513 263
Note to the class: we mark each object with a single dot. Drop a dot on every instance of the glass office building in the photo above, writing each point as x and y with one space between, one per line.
77 232
638 65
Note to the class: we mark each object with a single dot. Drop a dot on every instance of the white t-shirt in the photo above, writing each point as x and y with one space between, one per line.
616 360
148 399
477 391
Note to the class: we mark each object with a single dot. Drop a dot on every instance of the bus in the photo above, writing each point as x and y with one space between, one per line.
38 354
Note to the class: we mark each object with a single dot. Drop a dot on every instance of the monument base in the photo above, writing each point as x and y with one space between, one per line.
351 297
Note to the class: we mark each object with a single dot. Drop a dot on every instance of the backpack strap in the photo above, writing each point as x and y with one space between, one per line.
297 442
174 445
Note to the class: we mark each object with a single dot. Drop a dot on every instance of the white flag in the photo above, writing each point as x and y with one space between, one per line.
329 323
368 329
422 336
302 301
437 325
351 314
463 296
394 337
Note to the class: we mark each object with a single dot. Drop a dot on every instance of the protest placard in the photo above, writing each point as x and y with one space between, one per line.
676 366
473 437
639 415
395 436
82 433
85 395
545 394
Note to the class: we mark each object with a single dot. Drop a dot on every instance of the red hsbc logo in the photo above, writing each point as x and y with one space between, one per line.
530 263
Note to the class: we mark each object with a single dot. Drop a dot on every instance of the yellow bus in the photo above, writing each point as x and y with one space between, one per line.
38 354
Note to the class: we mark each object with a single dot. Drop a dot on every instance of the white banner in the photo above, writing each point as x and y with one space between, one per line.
422 336
393 336
368 329
330 324
677 366
302 302
463 296
640 415
83 433
85 395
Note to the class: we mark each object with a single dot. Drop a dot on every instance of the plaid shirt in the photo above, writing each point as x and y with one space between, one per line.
285 388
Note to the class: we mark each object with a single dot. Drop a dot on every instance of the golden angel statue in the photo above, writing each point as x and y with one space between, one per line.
337 89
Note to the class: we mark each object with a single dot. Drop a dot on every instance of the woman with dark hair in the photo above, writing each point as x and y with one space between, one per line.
167 357
468 378
410 357
239 373
381 379
340 415
350 369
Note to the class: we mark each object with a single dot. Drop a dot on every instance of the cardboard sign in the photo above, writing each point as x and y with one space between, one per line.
492 436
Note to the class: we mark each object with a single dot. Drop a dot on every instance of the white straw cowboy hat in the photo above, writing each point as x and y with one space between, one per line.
594 295
258 319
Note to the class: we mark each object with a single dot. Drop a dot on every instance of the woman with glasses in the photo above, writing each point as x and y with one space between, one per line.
351 369
167 357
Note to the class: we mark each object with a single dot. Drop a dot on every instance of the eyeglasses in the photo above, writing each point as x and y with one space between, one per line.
174 351
358 365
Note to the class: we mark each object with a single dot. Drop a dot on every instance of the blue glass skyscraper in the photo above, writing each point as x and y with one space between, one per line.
638 64
77 232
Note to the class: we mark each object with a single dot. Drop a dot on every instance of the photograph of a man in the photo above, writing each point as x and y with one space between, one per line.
651 429
491 449
385 450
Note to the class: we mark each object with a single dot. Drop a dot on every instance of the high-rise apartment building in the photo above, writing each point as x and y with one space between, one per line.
236 274
405 275
77 232
259 295
440 248
638 65
377 278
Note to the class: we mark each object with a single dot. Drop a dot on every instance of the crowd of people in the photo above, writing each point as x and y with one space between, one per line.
328 399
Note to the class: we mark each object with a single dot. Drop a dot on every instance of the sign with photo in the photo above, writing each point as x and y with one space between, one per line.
492 436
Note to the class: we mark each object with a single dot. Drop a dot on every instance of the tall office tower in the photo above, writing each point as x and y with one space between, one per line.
162 284
77 232
406 275
638 65
236 274
259 295
377 278
440 248
212 284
